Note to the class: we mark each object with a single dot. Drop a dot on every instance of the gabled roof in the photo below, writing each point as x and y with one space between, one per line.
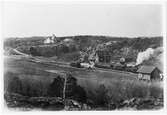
146 69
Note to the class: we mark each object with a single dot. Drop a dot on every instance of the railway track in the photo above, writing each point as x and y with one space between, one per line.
45 61
67 65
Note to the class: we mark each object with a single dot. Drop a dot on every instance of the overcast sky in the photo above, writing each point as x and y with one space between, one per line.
44 19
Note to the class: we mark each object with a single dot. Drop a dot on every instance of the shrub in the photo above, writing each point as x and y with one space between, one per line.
156 91
80 94
56 87
140 91
99 96
117 91
34 51
14 85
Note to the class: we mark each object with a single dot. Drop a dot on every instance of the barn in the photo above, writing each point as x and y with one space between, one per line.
149 73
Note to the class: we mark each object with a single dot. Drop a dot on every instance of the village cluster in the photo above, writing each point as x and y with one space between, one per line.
99 57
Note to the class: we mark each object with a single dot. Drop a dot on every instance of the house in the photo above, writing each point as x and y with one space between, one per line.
50 40
149 73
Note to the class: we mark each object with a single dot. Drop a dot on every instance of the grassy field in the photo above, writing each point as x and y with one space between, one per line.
102 86
26 67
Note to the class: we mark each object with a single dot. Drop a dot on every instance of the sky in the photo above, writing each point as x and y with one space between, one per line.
44 19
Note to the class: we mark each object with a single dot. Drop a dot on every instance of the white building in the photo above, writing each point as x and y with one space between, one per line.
50 40
68 40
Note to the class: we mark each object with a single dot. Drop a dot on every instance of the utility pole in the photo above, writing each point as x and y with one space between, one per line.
64 88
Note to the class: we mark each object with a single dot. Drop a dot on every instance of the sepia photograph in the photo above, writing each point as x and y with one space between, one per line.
83 56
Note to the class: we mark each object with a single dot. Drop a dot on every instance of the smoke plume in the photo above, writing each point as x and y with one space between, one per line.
145 55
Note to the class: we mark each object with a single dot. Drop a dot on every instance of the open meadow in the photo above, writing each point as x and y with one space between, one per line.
104 88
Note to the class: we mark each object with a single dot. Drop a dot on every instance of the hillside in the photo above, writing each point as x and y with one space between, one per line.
79 46
84 41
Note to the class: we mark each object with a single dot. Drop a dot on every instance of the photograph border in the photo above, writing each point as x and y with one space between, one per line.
162 111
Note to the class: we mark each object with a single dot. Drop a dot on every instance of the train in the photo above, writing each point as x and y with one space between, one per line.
119 67
113 66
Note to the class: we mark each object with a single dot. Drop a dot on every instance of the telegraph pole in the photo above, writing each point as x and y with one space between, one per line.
64 88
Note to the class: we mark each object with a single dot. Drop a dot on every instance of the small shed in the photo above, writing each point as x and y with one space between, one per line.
149 73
